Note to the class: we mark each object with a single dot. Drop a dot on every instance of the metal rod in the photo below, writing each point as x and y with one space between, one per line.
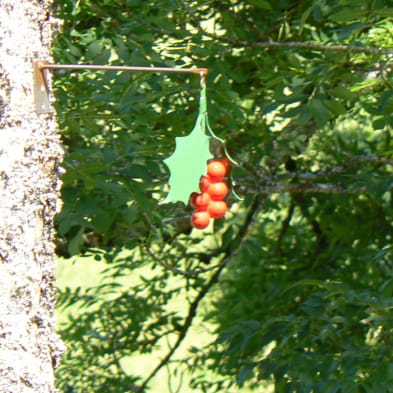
41 88
201 71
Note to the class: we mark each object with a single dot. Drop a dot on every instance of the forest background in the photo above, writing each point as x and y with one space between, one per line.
293 289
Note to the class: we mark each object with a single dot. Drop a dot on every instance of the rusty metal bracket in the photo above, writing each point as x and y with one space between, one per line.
41 88
41 67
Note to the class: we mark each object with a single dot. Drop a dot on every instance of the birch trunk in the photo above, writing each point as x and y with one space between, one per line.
30 152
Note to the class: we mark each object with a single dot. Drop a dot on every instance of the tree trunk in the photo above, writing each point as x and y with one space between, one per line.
30 152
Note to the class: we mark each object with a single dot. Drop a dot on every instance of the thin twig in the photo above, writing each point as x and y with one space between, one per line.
318 188
188 321
311 46
354 160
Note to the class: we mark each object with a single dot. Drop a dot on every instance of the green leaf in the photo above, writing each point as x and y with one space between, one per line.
270 107
94 49
245 372
379 123
343 92
103 222
145 203
346 31
227 237
387 12
188 162
319 111
76 242
262 4
348 14
336 107
317 12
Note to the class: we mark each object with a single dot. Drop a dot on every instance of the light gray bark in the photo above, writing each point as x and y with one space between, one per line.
30 152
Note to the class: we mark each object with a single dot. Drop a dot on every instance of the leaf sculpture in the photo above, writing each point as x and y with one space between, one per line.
188 162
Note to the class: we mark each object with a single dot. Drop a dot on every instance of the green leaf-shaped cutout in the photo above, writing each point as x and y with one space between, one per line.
188 162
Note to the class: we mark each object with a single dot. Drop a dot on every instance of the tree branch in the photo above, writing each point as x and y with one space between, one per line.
265 184
242 235
285 44
188 321
309 46
354 160
244 232
280 188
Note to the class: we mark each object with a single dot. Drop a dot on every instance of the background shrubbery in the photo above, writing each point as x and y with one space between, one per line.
296 282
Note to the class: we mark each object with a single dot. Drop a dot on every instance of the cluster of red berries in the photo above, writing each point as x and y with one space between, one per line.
210 203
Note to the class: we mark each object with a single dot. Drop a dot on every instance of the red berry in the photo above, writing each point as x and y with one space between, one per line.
200 201
216 170
200 219
204 183
217 209
227 163
218 191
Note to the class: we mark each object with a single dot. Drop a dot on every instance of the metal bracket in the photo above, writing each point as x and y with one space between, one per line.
41 86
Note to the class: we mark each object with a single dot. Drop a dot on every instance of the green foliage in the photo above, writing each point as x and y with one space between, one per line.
297 279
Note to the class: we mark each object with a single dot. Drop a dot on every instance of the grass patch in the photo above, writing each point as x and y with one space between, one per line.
86 273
